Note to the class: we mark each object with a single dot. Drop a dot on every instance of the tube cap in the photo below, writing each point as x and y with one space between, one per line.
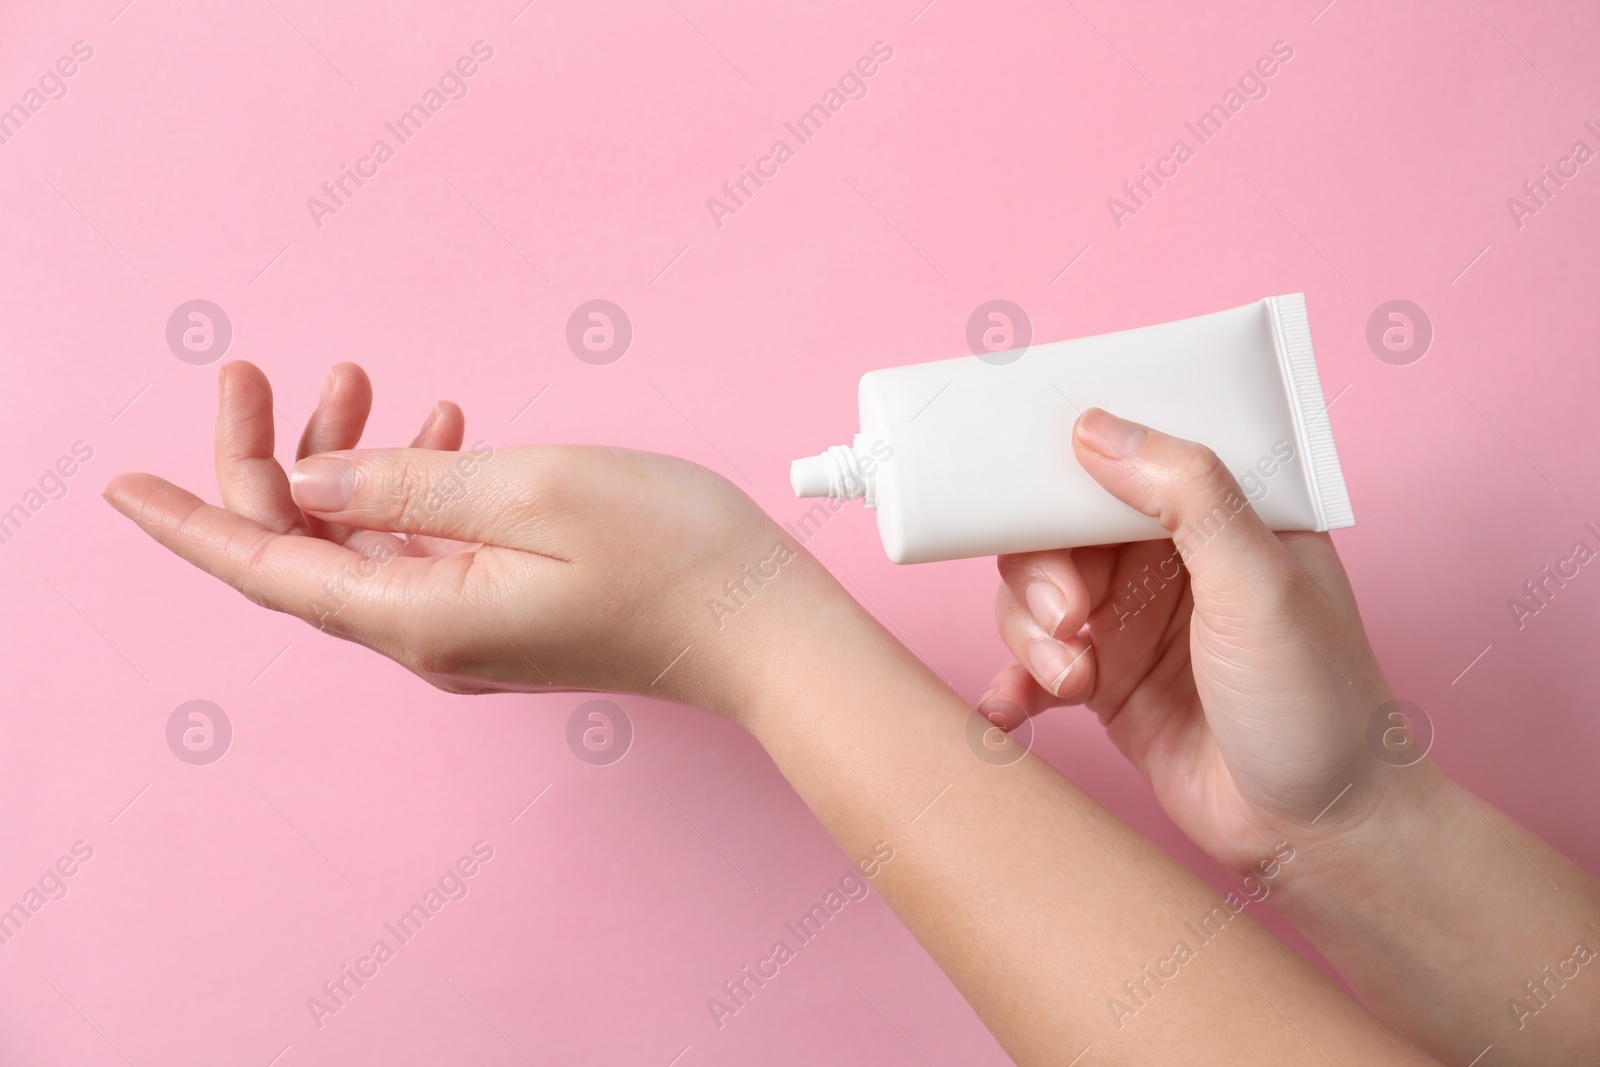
811 476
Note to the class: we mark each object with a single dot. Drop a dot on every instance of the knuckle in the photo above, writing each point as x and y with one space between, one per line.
1005 606
543 477
1202 493
437 659
1202 468
404 492
1019 569
409 497
538 492
1015 624
248 558
1012 568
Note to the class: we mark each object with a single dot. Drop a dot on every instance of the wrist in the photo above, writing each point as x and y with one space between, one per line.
1396 817
819 652
767 640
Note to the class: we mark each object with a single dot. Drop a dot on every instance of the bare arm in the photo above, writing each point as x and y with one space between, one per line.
1466 931
545 568
1065 929
1242 685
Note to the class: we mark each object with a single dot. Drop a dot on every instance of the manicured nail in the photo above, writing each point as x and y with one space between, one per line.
327 387
322 483
1050 661
1108 435
1047 604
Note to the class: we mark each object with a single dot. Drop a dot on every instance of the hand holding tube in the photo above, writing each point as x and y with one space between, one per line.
1241 684
1228 663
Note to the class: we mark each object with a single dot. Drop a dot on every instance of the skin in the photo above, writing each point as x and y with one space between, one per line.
587 568
1242 687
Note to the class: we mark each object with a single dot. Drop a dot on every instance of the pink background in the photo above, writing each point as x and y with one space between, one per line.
578 167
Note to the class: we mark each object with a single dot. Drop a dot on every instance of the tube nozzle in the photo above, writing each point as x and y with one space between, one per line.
837 473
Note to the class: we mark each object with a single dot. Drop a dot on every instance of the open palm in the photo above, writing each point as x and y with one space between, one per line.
528 568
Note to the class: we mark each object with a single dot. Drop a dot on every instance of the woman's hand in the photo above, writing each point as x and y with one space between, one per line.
1243 688
531 568
1240 683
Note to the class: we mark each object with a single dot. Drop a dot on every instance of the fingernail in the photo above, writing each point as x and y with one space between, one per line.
322 483
1002 713
1047 604
327 386
1050 661
433 417
1108 435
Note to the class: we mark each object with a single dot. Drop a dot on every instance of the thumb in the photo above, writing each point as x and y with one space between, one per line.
420 491
1185 487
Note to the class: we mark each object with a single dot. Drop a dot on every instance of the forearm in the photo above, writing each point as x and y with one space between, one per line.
1460 927
1051 916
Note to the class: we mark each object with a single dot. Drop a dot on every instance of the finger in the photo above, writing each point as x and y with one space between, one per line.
1051 588
253 484
308 577
1140 586
476 496
1192 494
444 429
1012 696
340 415
1064 667
337 422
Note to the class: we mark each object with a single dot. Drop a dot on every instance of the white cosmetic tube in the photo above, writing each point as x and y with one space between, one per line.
973 456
